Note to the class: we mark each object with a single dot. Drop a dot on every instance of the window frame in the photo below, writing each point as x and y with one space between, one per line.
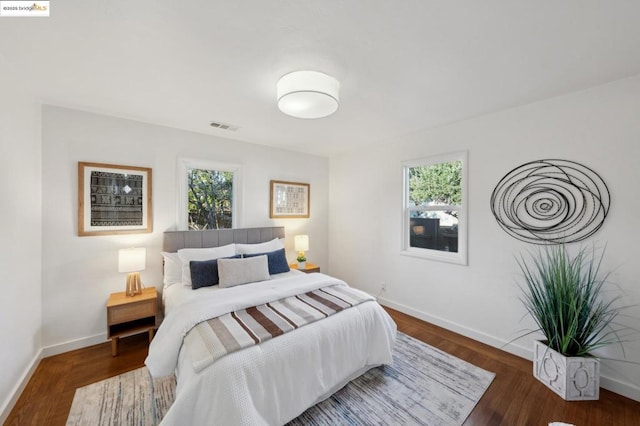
184 164
459 257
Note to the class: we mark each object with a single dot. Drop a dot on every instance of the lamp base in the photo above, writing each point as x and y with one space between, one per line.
134 284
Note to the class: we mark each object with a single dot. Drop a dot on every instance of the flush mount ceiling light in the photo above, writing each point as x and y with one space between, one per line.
308 94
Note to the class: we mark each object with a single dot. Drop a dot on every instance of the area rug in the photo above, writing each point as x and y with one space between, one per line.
424 386
132 398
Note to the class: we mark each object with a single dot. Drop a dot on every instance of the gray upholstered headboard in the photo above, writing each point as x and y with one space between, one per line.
175 240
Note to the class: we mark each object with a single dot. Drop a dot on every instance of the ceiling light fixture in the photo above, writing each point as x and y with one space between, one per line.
308 94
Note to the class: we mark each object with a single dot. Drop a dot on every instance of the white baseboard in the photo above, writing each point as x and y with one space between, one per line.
629 390
504 345
74 344
15 393
626 389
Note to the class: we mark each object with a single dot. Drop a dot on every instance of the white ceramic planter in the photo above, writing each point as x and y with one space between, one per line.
573 378
302 265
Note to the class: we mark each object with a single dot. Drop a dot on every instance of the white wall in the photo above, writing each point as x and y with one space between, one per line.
599 128
20 214
80 272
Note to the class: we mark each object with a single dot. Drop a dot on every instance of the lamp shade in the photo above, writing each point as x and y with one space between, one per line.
132 259
308 94
301 243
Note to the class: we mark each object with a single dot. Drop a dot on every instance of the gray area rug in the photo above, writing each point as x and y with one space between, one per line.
425 386
131 398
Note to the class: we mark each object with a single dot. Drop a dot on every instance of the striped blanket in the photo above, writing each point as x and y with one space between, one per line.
212 339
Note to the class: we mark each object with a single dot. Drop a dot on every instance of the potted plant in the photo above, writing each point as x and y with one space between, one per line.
302 261
564 295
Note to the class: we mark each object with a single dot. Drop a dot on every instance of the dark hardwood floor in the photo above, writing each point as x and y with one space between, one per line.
47 397
514 397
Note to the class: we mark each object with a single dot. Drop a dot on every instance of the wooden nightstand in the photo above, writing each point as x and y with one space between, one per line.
309 268
131 315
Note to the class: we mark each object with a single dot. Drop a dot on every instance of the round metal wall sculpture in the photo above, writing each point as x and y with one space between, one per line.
551 202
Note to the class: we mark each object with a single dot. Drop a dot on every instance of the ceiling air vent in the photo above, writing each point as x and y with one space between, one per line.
223 126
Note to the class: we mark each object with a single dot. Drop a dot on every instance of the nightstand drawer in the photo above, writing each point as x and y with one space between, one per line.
132 311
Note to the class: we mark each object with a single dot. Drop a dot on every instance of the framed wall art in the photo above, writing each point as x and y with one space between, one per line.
289 200
113 199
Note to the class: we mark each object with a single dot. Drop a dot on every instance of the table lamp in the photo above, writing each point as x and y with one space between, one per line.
301 244
132 261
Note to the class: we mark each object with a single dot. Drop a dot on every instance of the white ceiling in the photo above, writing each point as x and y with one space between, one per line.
404 65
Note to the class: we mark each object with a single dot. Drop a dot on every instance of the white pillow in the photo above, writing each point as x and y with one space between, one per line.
269 246
172 268
186 255
242 271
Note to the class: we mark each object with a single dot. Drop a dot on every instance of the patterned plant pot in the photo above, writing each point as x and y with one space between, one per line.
573 378
302 265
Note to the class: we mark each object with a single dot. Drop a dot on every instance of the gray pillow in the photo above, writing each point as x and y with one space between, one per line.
242 271
204 273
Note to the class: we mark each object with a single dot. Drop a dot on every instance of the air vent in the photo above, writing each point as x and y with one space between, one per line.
223 126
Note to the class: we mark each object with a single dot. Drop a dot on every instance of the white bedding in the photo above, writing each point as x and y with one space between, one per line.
275 381
179 294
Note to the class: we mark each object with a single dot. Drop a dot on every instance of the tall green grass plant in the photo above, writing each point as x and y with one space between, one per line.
565 296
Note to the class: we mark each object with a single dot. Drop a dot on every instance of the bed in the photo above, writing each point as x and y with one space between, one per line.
272 379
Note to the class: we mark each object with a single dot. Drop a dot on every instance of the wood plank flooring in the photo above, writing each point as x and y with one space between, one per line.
47 397
514 397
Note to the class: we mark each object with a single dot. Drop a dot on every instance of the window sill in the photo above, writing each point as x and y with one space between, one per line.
436 255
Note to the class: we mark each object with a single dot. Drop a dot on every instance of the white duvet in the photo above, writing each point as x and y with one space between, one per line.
274 382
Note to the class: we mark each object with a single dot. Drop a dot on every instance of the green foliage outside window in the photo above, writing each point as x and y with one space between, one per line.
436 184
210 199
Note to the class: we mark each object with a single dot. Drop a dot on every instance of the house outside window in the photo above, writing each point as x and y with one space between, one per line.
434 208
208 195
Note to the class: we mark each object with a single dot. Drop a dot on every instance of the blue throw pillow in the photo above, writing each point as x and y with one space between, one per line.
204 273
277 261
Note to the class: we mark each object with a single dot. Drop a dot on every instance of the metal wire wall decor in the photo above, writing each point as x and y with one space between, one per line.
551 202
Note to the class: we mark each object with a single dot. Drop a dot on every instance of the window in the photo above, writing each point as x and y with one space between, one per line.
208 195
434 222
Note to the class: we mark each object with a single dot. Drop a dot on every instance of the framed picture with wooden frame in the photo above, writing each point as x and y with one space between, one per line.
289 200
113 199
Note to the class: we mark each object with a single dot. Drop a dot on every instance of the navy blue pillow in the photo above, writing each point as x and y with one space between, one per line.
277 261
204 273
